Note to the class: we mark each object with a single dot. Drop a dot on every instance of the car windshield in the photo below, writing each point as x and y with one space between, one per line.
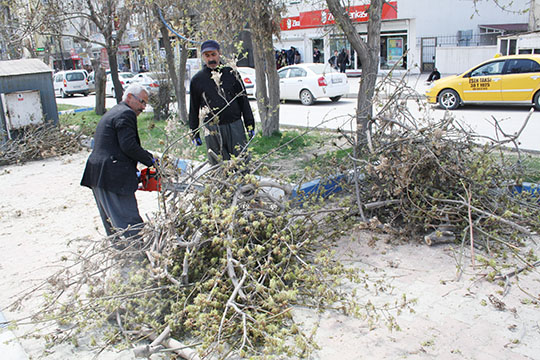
321 69
76 76
492 68
126 75
247 70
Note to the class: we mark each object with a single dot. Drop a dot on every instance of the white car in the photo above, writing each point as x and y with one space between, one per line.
150 81
309 82
248 78
70 82
125 79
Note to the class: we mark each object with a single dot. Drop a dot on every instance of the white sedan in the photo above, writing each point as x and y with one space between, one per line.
124 77
309 82
248 78
150 81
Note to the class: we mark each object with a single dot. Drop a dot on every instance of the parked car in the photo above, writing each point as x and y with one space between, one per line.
70 82
125 79
92 82
512 79
309 82
248 78
150 81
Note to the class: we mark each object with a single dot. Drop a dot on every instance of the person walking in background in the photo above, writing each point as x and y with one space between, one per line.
111 169
333 61
316 55
343 60
290 55
297 57
225 104
283 59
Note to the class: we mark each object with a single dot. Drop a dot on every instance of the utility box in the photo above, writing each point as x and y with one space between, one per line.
22 108
26 96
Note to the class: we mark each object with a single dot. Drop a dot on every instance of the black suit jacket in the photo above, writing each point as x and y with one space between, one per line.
112 165
231 102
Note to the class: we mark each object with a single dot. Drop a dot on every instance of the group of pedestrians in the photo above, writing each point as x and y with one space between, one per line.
287 57
340 61
111 169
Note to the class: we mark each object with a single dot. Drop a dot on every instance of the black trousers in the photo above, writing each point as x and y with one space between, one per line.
225 140
118 212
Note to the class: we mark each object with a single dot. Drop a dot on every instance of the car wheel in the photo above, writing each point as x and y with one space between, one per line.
335 98
449 99
306 97
537 101
63 94
85 93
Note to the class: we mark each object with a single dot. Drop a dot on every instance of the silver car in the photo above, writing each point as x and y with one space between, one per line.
70 82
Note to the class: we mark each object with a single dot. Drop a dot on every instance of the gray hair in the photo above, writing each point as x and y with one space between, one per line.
135 89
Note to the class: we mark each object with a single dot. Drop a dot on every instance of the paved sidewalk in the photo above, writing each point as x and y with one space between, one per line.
414 81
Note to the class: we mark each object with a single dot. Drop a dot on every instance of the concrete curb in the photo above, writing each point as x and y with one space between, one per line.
71 111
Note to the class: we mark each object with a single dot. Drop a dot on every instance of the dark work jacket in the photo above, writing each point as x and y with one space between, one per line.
112 165
204 92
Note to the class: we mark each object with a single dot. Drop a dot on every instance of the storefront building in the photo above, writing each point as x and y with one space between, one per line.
317 28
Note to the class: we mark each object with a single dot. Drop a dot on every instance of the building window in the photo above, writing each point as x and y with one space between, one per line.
508 47
512 47
504 47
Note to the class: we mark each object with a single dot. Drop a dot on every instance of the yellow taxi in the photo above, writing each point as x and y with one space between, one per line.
512 79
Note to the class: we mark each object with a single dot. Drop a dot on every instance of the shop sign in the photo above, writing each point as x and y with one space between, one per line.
318 18
124 48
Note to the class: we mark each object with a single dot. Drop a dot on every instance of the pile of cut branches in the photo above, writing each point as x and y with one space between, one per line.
36 142
227 260
436 181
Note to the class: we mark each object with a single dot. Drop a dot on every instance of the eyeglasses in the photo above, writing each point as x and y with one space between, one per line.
143 102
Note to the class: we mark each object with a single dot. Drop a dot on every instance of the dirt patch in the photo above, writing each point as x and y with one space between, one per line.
44 208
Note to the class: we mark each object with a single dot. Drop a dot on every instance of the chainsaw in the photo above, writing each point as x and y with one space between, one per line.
149 180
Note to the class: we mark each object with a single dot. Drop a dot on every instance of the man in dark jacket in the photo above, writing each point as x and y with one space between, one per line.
434 75
218 90
111 169
333 61
343 60
316 55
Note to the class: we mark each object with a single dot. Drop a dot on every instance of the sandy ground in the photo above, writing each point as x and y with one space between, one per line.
44 207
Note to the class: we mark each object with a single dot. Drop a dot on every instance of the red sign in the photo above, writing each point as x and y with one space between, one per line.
317 18
104 58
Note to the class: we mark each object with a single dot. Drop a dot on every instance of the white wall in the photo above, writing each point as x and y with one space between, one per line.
456 60
446 17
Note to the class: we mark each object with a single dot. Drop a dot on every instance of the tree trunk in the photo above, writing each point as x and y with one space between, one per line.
182 75
272 116
100 81
265 69
113 65
369 56
168 53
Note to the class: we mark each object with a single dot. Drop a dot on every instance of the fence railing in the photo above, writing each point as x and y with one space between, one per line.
466 40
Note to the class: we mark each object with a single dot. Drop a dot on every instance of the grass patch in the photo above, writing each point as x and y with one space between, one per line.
152 133
532 166
63 107
329 157
287 142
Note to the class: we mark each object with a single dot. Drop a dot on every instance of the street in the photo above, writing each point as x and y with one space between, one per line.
328 115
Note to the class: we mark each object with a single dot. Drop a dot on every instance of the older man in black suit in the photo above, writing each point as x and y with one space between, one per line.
111 169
